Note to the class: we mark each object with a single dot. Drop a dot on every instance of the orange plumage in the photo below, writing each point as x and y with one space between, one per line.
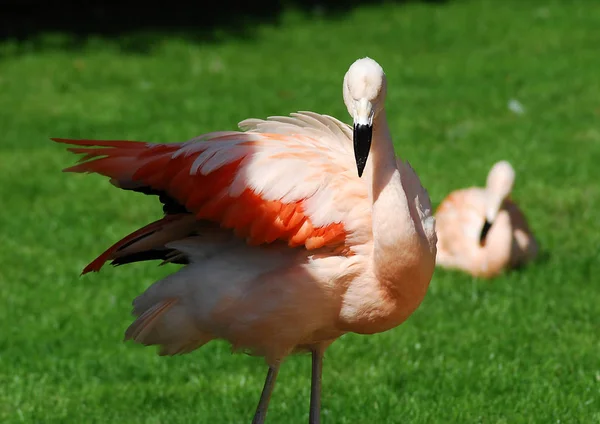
159 167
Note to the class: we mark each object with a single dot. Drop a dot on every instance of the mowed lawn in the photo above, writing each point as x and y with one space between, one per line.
524 348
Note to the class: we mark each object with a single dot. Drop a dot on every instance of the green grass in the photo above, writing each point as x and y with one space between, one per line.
523 348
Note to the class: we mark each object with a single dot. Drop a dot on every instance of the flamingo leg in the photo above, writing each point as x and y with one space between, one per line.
265 397
314 415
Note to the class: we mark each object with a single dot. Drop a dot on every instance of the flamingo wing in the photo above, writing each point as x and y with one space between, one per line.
286 178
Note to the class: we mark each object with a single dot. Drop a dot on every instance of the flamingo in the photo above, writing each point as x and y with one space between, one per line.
288 235
482 231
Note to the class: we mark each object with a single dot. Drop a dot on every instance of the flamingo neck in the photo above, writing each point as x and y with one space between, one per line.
396 243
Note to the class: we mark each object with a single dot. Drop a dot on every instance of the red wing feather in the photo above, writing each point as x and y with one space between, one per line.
206 196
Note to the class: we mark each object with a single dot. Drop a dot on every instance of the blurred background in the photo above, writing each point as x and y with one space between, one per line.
470 83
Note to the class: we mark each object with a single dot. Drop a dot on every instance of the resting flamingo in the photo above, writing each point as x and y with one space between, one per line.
289 235
482 231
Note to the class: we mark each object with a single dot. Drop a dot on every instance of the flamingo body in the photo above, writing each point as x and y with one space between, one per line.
459 221
285 247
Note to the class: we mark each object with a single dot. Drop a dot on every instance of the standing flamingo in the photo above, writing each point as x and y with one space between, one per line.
286 247
481 230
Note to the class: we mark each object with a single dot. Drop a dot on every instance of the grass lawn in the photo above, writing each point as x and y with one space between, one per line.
523 348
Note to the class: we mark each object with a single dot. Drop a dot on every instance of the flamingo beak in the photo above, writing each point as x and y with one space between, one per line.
494 204
363 133
484 232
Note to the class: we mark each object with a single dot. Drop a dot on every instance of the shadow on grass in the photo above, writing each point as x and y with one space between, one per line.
136 25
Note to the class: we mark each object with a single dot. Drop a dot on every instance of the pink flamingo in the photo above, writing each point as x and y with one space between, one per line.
286 247
482 231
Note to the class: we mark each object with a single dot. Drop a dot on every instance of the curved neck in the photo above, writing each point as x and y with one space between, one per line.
493 203
394 234
383 156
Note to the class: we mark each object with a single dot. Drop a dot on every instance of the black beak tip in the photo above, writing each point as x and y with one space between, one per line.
484 232
362 144
361 168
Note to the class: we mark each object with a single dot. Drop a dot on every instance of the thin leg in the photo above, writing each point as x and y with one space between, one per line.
265 397
314 416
